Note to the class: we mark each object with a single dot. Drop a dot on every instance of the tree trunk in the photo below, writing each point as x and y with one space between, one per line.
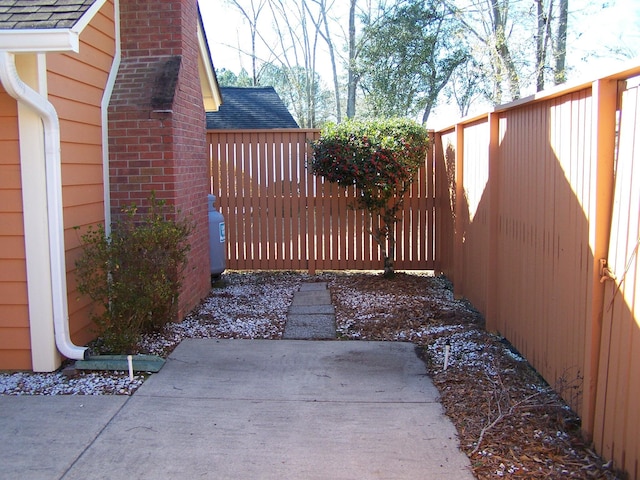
334 69
502 49
252 18
352 81
540 52
560 50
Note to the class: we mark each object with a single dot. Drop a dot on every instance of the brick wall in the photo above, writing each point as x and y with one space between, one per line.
157 130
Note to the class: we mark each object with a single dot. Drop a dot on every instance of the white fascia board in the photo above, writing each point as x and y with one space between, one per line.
208 83
88 16
45 40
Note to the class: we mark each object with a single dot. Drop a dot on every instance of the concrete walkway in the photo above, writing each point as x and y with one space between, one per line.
311 315
246 409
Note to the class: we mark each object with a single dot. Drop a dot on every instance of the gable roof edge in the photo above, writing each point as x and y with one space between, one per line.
208 80
84 20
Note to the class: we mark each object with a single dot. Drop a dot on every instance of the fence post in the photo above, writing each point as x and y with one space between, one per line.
312 192
605 100
460 210
440 175
491 314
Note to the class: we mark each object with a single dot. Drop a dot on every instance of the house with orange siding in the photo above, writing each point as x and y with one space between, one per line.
101 102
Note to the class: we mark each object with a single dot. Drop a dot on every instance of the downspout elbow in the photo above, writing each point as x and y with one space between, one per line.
19 90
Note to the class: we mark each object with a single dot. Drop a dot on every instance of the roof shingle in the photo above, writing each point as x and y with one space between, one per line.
250 108
39 14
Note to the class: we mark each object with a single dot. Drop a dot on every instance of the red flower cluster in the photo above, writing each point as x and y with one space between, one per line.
379 158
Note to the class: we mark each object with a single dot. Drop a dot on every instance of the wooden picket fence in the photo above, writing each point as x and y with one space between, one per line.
279 216
532 210
540 230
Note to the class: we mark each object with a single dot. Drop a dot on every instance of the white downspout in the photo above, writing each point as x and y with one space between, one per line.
106 99
26 95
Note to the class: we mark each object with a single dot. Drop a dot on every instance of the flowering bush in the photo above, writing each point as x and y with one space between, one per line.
381 159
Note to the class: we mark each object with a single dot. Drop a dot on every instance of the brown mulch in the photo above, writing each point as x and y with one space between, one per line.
510 422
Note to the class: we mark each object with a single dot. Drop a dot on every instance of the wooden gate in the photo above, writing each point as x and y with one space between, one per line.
617 415
280 217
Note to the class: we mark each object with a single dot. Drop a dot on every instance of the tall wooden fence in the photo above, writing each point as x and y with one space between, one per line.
542 211
279 216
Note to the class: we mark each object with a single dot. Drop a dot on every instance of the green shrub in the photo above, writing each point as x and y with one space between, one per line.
134 275
381 159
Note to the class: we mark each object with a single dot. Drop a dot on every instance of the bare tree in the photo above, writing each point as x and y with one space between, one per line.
251 14
326 35
489 22
298 44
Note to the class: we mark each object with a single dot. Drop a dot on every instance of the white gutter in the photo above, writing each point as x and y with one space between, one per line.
43 40
19 90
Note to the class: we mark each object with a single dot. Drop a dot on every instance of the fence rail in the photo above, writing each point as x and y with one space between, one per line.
279 216
540 193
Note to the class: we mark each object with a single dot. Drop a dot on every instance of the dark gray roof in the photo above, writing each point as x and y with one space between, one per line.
30 14
250 108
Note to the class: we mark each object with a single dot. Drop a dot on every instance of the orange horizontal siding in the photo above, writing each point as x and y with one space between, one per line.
10 176
10 201
71 109
14 292
12 223
14 316
81 174
77 130
11 246
82 153
8 126
15 360
75 85
64 87
12 270
103 24
83 214
15 338
75 195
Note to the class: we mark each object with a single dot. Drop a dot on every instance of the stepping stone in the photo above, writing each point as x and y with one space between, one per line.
306 327
311 287
311 315
314 297
312 309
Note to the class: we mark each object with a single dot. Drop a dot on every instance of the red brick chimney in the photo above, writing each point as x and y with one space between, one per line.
157 126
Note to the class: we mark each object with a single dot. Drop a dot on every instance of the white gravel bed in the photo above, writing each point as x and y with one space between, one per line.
91 383
253 305
242 305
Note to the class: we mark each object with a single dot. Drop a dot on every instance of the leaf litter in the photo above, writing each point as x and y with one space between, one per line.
509 421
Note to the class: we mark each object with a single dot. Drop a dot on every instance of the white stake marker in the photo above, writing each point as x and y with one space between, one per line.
130 362
447 347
